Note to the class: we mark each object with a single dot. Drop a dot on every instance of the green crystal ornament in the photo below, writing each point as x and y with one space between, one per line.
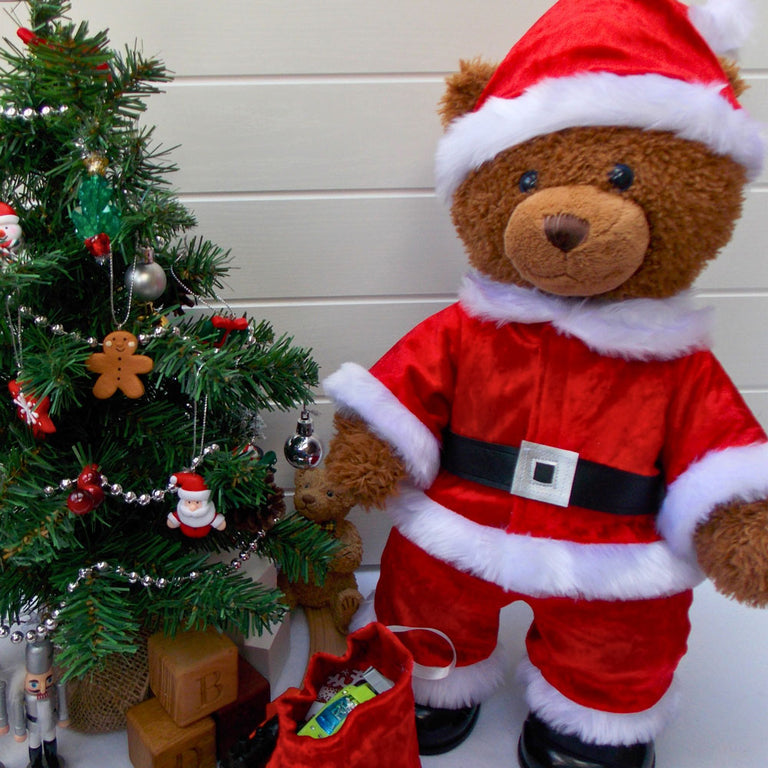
96 213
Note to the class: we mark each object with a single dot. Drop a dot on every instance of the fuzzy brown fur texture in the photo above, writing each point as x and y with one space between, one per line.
320 500
690 197
732 549
363 463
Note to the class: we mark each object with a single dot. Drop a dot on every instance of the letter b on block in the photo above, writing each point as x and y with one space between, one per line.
192 674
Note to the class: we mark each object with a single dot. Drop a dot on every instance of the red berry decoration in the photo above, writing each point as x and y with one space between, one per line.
89 476
96 492
89 493
79 502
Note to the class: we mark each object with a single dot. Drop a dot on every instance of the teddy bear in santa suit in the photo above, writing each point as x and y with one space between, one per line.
563 435
195 513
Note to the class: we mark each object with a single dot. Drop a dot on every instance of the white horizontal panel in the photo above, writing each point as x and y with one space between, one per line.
335 247
741 338
330 135
338 333
758 402
200 37
369 246
743 262
235 37
311 136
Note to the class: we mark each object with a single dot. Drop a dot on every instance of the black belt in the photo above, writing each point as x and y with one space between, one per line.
595 486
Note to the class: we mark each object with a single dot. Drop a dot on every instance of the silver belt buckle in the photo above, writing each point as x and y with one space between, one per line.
544 473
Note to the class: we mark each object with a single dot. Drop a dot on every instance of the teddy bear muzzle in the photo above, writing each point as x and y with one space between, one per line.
577 240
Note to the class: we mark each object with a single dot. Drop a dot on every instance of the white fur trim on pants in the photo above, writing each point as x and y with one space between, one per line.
464 686
592 725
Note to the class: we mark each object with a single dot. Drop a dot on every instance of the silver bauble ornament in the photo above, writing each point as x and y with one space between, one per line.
303 450
147 281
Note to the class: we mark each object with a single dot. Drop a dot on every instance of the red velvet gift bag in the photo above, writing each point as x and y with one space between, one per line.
378 733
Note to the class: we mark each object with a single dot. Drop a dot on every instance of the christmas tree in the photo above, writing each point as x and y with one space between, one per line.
126 381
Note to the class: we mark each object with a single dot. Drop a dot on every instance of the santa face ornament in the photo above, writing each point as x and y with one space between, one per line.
195 514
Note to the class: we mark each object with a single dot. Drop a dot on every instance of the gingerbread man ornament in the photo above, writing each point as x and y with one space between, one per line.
119 365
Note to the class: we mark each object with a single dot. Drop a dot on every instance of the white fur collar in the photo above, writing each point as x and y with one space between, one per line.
634 329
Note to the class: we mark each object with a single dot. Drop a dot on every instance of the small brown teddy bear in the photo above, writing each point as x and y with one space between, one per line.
328 504
562 435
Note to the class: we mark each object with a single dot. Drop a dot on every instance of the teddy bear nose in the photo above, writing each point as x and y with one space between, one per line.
565 231
308 498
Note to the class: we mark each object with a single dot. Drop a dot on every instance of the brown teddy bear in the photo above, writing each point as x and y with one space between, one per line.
562 434
328 504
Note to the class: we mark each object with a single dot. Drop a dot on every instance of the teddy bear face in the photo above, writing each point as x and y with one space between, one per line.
612 212
318 499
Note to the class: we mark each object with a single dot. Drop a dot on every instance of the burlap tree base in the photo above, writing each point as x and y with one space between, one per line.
98 702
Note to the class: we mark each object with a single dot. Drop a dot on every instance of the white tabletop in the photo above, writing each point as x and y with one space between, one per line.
722 721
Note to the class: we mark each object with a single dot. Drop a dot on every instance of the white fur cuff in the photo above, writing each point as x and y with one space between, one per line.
721 476
592 725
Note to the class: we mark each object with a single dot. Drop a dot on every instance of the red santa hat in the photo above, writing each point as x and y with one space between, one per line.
7 215
649 64
190 486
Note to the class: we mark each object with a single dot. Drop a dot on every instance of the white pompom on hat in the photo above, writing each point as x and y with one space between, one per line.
628 63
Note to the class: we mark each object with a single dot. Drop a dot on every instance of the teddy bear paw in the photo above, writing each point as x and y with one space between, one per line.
344 607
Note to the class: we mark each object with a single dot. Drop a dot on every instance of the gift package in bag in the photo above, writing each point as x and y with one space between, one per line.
353 710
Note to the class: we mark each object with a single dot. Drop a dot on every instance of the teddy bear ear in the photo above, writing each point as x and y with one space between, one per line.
733 73
464 89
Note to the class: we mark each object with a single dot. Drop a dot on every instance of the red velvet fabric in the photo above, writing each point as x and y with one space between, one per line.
624 37
613 656
380 733
505 384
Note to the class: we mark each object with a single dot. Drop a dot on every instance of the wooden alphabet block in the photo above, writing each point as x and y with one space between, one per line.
155 741
193 673
237 720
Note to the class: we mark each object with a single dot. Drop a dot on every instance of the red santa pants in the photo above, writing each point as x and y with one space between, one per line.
613 656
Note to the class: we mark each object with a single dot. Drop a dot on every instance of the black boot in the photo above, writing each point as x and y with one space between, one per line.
51 759
35 757
542 747
440 730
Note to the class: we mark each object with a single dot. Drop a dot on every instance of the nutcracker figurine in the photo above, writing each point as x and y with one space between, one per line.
38 707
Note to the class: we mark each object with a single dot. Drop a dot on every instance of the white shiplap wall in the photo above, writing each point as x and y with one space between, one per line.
307 131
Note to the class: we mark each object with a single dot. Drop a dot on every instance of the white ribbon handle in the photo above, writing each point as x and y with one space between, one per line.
422 670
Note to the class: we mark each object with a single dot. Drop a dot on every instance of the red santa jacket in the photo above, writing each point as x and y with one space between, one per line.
630 385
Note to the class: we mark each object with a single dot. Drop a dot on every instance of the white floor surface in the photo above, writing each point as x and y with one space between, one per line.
723 721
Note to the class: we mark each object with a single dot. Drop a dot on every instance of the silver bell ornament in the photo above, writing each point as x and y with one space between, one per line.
303 450
146 280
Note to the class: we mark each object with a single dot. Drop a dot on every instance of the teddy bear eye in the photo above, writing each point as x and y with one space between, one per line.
329 494
528 181
621 176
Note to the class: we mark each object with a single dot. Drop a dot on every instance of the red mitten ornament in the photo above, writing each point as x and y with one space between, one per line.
32 412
